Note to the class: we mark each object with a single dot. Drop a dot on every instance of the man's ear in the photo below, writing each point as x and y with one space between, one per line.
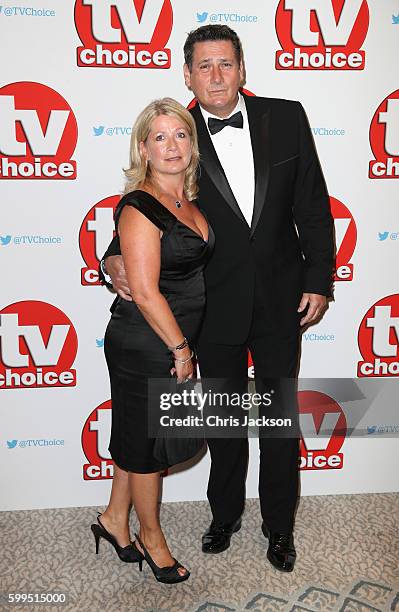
242 73
187 76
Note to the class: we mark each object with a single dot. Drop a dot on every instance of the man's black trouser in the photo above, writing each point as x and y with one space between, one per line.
275 359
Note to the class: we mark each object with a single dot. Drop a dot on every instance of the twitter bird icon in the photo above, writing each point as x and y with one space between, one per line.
4 240
371 430
100 342
201 17
98 131
382 235
395 19
11 443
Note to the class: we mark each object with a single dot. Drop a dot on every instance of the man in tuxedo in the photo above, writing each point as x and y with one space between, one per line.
262 189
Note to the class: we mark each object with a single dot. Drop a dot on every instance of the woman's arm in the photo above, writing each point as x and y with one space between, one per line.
141 251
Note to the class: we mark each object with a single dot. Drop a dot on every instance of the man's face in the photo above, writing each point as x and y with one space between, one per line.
215 76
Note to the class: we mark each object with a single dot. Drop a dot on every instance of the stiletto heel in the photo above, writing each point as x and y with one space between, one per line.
141 557
168 574
128 554
96 537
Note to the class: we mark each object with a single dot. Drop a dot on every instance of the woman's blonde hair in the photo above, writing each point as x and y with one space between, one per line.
139 173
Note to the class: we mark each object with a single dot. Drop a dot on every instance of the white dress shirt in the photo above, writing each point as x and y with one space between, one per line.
234 149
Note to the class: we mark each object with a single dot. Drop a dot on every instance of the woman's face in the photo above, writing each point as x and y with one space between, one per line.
168 146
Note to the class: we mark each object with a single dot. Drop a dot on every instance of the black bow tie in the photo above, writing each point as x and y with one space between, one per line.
215 125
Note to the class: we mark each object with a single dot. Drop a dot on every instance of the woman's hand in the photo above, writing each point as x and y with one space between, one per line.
183 371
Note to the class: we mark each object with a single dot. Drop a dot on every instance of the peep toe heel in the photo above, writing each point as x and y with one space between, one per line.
168 574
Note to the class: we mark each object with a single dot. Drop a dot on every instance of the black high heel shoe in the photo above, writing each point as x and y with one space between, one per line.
168 574
128 554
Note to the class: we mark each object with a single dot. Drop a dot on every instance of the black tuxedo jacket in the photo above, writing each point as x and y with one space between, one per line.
289 248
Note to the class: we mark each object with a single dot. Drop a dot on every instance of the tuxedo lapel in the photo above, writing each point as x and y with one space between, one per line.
210 162
259 127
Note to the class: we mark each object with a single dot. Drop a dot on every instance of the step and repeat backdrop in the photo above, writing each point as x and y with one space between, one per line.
74 76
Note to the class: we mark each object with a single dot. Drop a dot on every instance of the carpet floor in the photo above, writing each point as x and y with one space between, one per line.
347 545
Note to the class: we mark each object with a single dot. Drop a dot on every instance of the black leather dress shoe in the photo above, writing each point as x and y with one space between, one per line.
281 551
216 538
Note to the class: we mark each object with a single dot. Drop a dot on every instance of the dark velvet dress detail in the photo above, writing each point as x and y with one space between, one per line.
134 352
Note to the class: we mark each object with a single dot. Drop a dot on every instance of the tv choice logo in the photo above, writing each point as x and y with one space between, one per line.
321 34
123 33
95 440
378 339
38 346
96 232
41 442
38 133
384 139
346 236
319 413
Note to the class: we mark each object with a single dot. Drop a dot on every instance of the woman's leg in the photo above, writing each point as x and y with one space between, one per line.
145 494
116 517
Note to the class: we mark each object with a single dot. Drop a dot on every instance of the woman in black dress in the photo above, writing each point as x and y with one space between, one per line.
165 243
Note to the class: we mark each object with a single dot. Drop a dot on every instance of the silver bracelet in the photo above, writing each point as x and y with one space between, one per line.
185 360
180 346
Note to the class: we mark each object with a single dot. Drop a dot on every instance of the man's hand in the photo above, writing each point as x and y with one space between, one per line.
116 269
317 305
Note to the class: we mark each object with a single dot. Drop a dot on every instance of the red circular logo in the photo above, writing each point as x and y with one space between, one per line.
251 368
39 133
96 232
321 35
95 440
124 33
378 339
319 413
346 236
38 346
384 139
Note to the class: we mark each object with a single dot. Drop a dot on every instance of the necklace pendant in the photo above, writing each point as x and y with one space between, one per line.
178 204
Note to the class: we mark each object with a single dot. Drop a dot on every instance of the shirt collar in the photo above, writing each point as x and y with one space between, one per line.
240 106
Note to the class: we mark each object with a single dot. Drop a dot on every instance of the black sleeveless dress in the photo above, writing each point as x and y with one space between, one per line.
134 352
